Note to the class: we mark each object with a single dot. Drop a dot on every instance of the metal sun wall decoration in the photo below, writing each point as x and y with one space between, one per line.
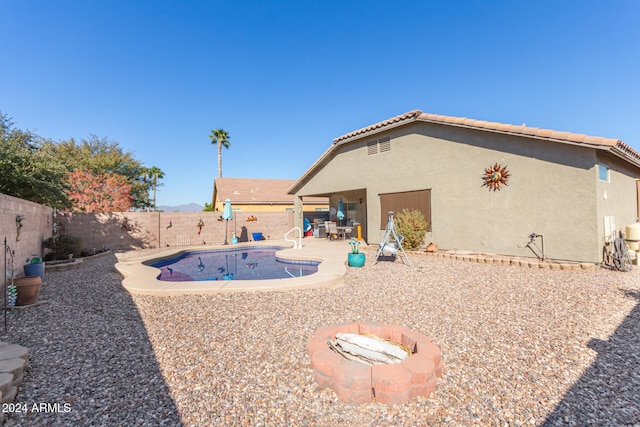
495 176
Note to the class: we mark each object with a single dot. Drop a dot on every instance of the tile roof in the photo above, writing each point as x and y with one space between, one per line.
519 130
258 191
392 122
615 146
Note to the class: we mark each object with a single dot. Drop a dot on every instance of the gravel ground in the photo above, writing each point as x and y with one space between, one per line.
520 347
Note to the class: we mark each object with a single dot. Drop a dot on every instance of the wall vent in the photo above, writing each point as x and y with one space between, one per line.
379 146
372 147
385 144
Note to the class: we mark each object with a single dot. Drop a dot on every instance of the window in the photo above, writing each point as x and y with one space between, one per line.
411 200
603 173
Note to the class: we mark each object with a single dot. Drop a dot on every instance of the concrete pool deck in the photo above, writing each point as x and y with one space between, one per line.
332 255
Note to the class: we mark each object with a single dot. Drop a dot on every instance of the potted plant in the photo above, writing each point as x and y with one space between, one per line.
27 287
34 267
355 258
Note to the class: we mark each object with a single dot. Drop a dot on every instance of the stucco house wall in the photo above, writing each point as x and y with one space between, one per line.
616 197
553 189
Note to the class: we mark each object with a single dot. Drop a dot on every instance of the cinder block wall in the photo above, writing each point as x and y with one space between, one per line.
130 230
137 230
36 227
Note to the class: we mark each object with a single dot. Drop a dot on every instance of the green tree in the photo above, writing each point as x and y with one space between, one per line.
208 207
220 137
97 154
104 156
26 171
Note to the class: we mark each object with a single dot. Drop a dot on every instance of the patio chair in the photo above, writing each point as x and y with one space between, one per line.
332 230
346 232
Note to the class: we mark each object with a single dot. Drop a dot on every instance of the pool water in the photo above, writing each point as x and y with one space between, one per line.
249 263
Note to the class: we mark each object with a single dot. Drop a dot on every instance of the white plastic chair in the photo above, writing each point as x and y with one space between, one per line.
346 232
332 230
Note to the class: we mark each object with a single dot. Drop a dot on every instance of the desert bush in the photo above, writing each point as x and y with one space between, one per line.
413 226
62 245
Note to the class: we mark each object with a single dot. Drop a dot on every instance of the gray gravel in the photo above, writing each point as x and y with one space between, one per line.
520 347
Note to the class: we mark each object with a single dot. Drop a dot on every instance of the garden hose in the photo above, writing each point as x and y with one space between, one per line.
620 255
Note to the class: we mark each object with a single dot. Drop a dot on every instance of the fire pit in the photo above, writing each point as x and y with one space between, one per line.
392 384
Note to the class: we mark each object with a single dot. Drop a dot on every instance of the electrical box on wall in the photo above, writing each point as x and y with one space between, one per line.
609 226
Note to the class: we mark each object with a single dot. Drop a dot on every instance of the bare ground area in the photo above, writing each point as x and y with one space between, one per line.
520 346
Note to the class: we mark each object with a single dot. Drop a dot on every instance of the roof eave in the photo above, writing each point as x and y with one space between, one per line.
384 126
614 146
299 182
373 132
261 202
617 148
621 150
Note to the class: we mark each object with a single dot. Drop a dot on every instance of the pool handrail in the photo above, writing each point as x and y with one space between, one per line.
295 245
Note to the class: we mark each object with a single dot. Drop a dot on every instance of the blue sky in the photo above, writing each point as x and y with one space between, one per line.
285 78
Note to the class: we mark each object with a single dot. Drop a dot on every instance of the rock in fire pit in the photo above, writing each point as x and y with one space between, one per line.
392 383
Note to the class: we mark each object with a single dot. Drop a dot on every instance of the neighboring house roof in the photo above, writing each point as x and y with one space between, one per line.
258 191
615 146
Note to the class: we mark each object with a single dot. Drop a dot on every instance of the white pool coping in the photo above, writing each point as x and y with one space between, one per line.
332 255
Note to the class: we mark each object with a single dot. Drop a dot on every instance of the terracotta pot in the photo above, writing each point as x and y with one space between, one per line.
28 289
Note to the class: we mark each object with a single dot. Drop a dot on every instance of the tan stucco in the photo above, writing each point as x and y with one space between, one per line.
617 197
553 189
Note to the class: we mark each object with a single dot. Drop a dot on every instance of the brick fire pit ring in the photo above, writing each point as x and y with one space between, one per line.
392 384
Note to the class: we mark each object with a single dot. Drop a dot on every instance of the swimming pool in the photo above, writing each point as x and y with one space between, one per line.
247 263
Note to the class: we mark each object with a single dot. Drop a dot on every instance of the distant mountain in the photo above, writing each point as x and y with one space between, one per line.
191 207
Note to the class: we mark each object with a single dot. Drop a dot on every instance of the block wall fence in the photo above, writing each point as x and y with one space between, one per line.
138 230
122 231
37 226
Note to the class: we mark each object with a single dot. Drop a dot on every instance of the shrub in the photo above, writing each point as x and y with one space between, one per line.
413 226
62 245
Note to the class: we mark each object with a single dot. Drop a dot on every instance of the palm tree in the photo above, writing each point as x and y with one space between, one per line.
154 173
221 138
